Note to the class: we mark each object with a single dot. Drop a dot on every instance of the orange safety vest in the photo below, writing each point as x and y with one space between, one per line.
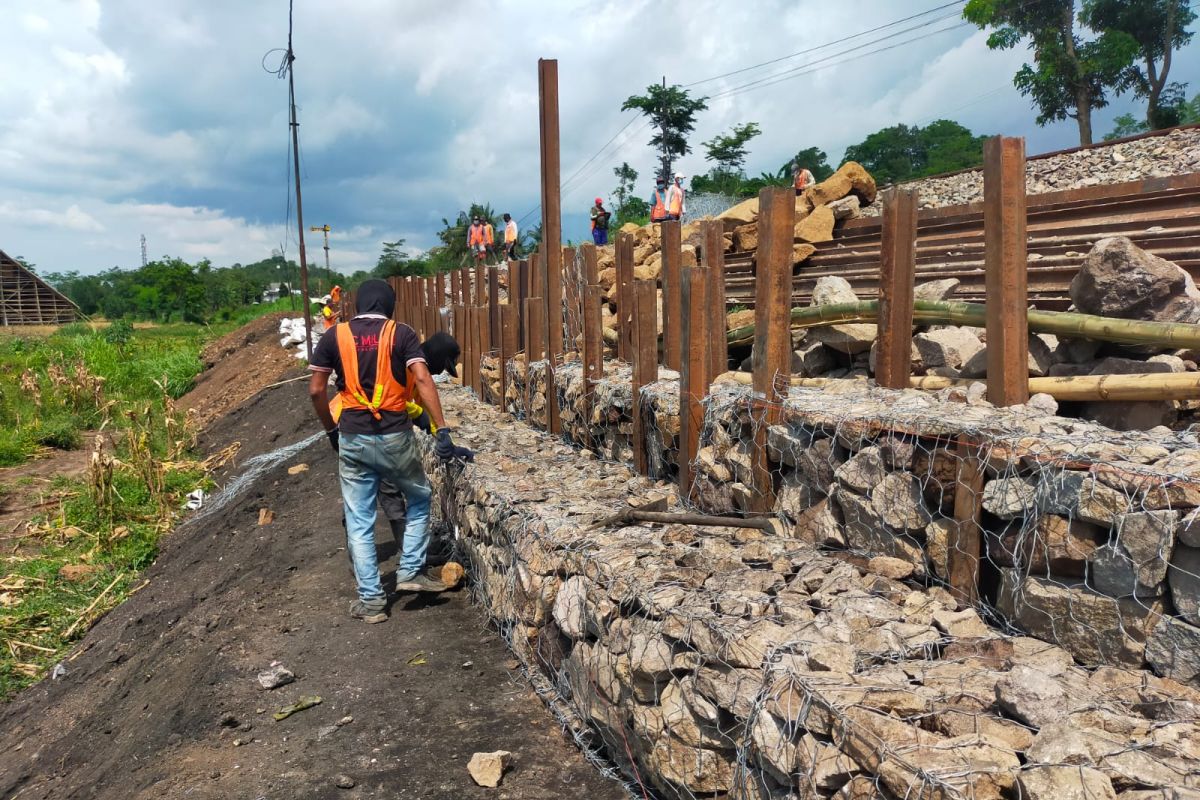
676 202
802 178
474 235
659 210
489 234
329 316
389 394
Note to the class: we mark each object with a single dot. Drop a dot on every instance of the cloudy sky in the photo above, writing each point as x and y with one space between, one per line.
126 117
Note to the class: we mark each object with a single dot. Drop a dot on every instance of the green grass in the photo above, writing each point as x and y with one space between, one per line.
41 612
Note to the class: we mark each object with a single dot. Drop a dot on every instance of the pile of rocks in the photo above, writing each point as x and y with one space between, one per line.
731 663
1177 153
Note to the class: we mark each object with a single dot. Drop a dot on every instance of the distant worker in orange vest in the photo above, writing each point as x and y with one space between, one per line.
330 304
510 238
676 207
600 217
658 201
477 240
802 178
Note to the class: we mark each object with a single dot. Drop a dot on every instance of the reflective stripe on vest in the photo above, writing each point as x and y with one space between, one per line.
659 210
389 394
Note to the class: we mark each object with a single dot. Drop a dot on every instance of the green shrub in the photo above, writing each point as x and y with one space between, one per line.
119 332
60 433
14 449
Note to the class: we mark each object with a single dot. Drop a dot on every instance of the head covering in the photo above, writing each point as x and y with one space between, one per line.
441 352
375 297
679 176
599 200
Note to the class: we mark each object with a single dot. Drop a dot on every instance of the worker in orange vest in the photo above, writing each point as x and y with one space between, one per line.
675 197
489 239
477 240
802 179
330 304
658 201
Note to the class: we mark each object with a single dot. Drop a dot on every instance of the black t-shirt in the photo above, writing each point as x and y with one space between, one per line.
406 350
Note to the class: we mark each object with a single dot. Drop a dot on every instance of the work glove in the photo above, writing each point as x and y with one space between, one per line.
464 454
332 435
444 448
424 422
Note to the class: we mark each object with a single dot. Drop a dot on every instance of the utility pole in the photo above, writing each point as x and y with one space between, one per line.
328 273
666 154
144 259
291 58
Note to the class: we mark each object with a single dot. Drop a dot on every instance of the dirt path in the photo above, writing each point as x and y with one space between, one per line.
163 689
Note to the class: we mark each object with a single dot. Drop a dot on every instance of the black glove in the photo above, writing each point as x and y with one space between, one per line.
444 448
332 434
423 422
464 454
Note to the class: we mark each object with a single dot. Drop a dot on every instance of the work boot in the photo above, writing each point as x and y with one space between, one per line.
369 611
418 582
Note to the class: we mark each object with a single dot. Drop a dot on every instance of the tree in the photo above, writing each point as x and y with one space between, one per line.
728 150
814 159
1154 29
901 153
1126 125
673 113
1071 75
392 261
626 184
29 265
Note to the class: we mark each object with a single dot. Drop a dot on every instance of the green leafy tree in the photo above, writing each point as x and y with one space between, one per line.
1126 125
635 210
901 153
672 111
728 150
1070 75
813 158
626 184
1154 29
392 260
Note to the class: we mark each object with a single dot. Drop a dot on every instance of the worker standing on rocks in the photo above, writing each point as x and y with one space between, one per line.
801 178
380 367
510 238
658 201
600 223
676 207
489 239
476 240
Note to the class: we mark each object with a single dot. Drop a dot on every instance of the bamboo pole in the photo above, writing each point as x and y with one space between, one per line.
1116 388
1173 335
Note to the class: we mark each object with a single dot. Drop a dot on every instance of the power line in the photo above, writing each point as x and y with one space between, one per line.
823 46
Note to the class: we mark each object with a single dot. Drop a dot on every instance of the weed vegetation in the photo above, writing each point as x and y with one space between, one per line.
91 538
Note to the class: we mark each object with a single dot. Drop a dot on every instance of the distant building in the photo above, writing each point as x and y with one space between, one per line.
26 299
274 291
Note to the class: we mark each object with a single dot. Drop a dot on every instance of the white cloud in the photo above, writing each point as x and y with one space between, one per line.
73 218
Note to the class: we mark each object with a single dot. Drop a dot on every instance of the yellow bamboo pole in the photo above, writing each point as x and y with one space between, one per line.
1154 386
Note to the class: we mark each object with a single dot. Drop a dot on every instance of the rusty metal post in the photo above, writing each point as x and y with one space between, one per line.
508 348
714 259
593 349
493 304
897 279
645 363
772 356
535 328
573 313
624 296
966 541
693 374
1004 258
485 349
455 288
672 260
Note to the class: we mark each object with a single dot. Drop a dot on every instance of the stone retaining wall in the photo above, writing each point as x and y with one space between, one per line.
1091 536
728 663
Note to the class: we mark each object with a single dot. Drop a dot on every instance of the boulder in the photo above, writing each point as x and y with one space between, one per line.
851 338
867 533
1119 279
817 226
1135 565
861 182
1131 416
936 290
897 500
818 526
830 290
812 359
819 462
1064 783
487 769
745 237
1040 360
846 208
1173 650
947 347
862 472
802 252
741 214
835 187
1183 578
1031 695
1054 545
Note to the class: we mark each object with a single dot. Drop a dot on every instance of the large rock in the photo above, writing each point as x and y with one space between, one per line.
936 290
861 182
741 214
819 526
1064 783
862 472
1119 279
745 237
1135 565
835 187
947 347
897 500
1095 629
851 338
831 289
1183 577
846 208
816 227
1173 650
867 533
812 359
1039 360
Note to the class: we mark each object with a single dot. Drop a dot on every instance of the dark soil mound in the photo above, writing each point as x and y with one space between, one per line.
238 366
161 698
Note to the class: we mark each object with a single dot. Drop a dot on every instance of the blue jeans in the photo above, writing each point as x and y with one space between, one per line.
364 460
600 236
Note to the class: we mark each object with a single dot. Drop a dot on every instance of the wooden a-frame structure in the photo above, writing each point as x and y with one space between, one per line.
26 299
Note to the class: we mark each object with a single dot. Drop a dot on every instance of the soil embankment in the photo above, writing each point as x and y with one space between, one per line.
161 698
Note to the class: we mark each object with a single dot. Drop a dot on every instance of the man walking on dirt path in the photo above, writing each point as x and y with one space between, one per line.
379 365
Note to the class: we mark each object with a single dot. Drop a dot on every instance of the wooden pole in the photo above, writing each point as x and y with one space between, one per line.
571 285
465 281
624 295
672 258
551 248
593 348
645 363
772 355
693 373
965 545
897 271
591 265
480 284
455 287
714 259
440 291
508 348
1005 266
